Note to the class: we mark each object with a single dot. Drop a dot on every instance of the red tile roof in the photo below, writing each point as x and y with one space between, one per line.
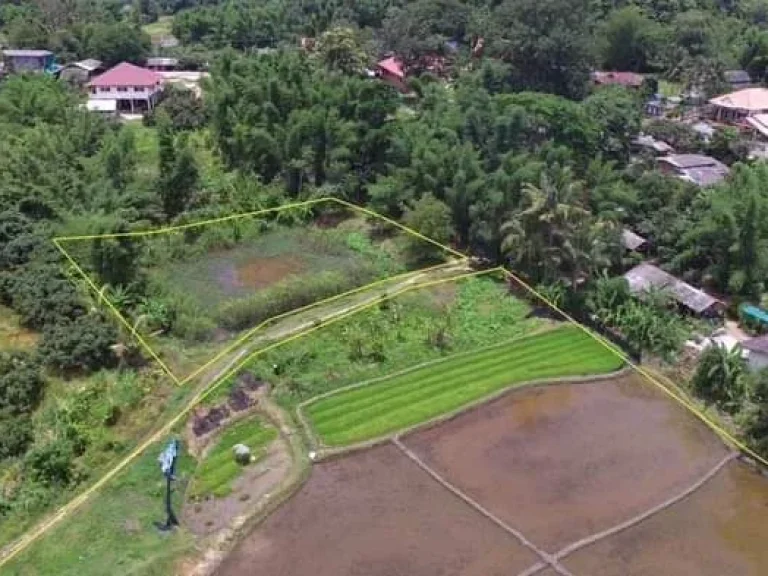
630 79
125 74
392 66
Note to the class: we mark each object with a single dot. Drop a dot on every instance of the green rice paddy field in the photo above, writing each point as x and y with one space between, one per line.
423 393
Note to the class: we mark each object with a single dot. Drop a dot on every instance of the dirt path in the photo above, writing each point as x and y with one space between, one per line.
218 370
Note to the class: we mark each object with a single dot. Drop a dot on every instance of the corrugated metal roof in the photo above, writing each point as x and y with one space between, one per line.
126 74
631 240
647 276
12 53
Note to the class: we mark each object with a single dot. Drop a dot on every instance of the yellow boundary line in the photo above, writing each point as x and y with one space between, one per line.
30 537
179 380
116 312
296 311
714 426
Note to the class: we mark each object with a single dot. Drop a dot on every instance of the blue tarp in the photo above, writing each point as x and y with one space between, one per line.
755 313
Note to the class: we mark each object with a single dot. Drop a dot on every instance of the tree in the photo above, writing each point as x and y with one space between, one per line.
547 43
432 218
185 110
79 345
117 42
719 377
21 384
631 40
618 113
340 48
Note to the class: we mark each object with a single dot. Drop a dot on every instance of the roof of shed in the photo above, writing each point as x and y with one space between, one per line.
644 277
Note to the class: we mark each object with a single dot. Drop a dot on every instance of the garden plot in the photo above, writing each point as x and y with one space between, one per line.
563 462
376 513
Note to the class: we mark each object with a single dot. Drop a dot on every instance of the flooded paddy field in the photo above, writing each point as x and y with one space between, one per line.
563 462
376 513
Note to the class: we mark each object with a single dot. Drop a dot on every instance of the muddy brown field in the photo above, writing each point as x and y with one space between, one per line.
376 514
720 530
563 462
559 464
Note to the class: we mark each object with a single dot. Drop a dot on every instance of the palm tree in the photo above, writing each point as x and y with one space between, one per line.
541 239
719 376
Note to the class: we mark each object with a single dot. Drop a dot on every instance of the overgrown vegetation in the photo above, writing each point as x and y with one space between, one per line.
412 328
416 396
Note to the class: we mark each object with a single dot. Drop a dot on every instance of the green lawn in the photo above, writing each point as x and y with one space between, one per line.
160 27
419 395
219 470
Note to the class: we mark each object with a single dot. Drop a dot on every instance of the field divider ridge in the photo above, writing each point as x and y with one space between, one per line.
726 436
326 452
635 520
272 319
545 556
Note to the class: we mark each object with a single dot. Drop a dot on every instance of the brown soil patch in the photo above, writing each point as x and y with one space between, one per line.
376 513
719 530
443 295
262 272
256 481
563 462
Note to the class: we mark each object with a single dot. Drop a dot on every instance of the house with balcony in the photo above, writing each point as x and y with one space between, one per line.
126 89
20 61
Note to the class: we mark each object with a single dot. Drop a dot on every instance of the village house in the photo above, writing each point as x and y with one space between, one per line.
646 277
626 79
735 107
696 168
18 61
126 88
79 73
392 72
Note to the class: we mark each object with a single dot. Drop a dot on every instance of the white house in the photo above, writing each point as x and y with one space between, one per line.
133 89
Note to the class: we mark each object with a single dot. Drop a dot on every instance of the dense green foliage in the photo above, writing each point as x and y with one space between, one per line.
418 395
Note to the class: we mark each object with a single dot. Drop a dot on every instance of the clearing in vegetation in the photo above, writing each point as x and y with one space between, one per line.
219 470
211 285
419 395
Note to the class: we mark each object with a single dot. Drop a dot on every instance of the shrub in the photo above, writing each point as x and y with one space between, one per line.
193 327
51 463
82 344
289 295
15 435
21 385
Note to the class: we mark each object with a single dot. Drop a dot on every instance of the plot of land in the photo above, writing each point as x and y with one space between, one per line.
215 277
376 514
719 530
418 395
563 462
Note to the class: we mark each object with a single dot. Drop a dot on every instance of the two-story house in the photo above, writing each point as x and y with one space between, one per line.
126 88
20 61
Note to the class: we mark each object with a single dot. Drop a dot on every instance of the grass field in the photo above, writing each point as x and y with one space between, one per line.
418 395
219 470
160 27
13 336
